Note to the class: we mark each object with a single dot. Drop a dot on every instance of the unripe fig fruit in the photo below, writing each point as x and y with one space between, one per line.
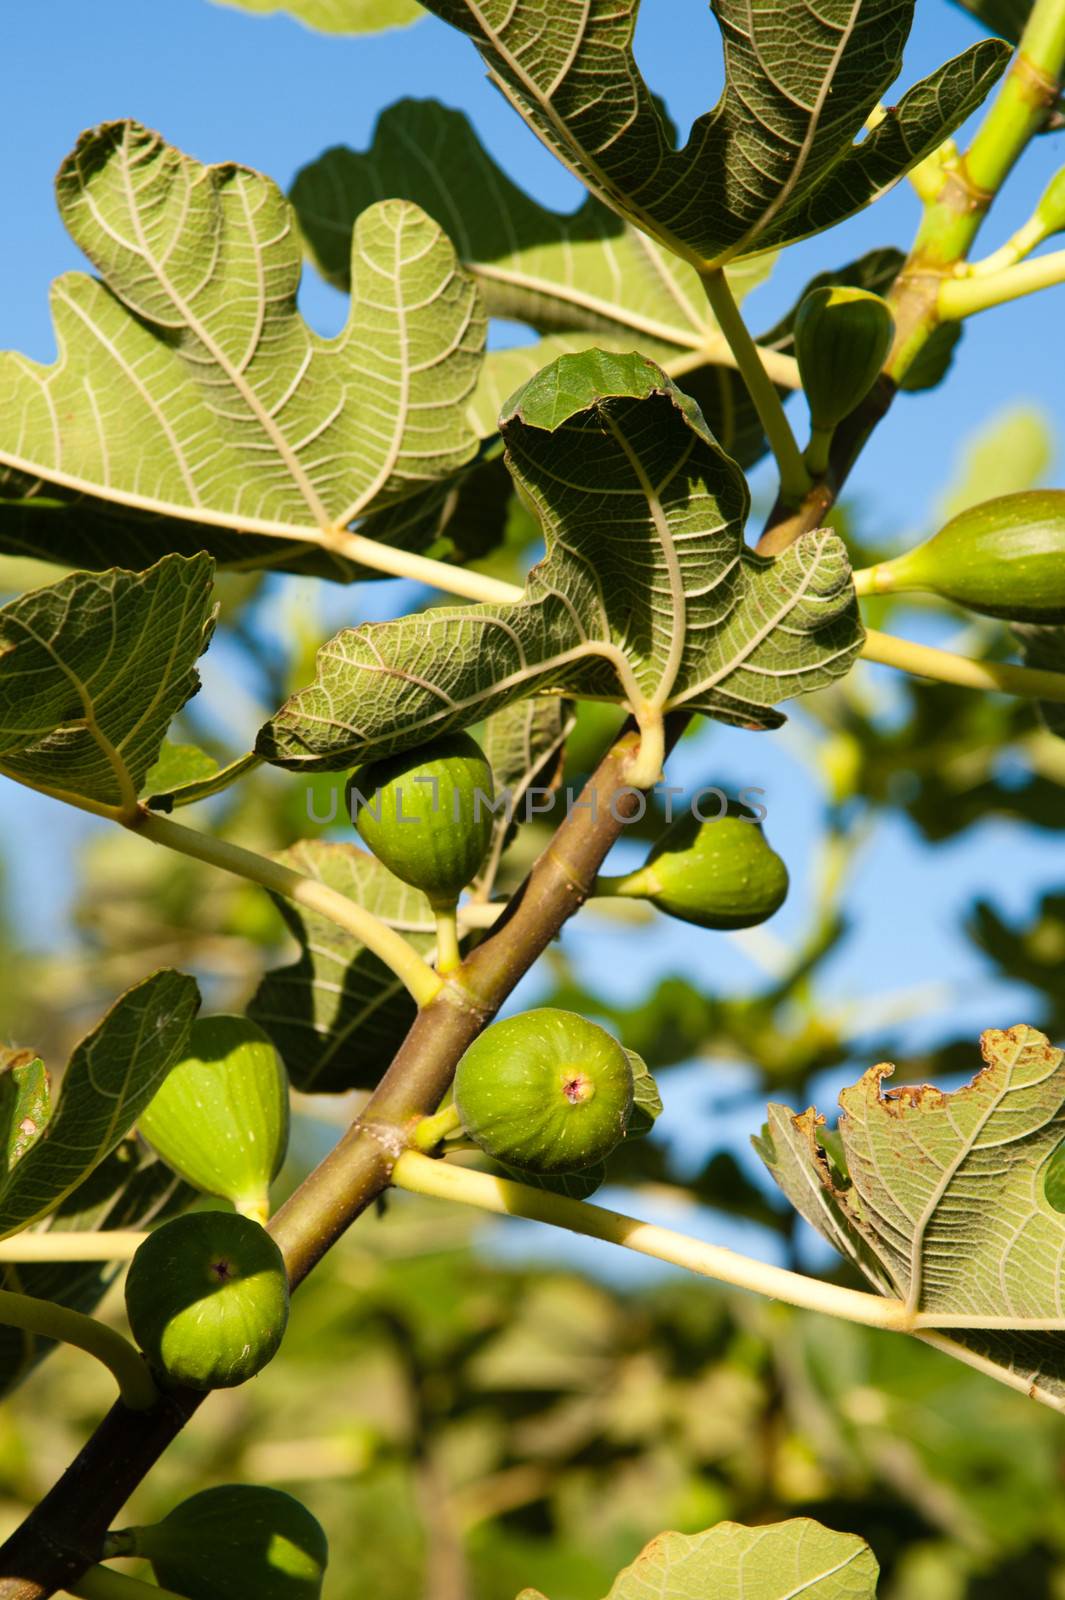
842 338
547 1091
236 1542
426 814
207 1299
718 874
221 1118
1005 558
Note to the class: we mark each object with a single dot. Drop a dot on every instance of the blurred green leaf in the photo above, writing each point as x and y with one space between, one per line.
1013 451
338 16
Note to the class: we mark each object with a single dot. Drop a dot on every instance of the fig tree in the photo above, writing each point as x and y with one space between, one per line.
234 1542
547 1091
221 1118
720 874
427 814
207 1299
1004 558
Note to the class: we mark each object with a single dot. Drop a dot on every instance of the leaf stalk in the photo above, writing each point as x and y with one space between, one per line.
794 478
123 1360
418 1174
926 661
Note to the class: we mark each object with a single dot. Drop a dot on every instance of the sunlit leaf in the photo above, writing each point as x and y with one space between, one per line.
93 669
188 386
778 158
945 1208
730 1562
647 594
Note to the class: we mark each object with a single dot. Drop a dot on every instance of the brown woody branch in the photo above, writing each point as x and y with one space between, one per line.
64 1534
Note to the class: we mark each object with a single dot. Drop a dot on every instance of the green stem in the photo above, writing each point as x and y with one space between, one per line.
110 1244
448 954
100 1583
385 943
925 661
420 1175
47 1320
1015 116
964 297
431 1130
794 478
817 451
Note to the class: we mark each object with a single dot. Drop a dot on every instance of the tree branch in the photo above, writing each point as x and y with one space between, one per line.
63 1535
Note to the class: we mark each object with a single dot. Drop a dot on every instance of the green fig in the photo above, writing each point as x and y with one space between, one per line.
718 874
842 339
427 814
1004 558
546 1092
221 1118
207 1299
236 1542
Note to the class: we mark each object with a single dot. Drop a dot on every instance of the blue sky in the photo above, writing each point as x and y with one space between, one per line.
267 92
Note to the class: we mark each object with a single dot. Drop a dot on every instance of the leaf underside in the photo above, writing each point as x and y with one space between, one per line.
778 158
647 592
189 388
945 1207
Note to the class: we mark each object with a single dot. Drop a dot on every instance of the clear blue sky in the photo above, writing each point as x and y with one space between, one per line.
269 93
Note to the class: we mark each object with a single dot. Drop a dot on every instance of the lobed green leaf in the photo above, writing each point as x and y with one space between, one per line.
943 1205
781 154
188 386
647 595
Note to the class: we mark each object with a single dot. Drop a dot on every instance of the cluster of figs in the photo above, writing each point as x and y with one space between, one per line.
547 1093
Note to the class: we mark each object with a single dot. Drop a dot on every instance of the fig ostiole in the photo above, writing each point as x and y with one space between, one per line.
1004 558
427 815
207 1299
720 874
842 339
234 1542
546 1092
221 1117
